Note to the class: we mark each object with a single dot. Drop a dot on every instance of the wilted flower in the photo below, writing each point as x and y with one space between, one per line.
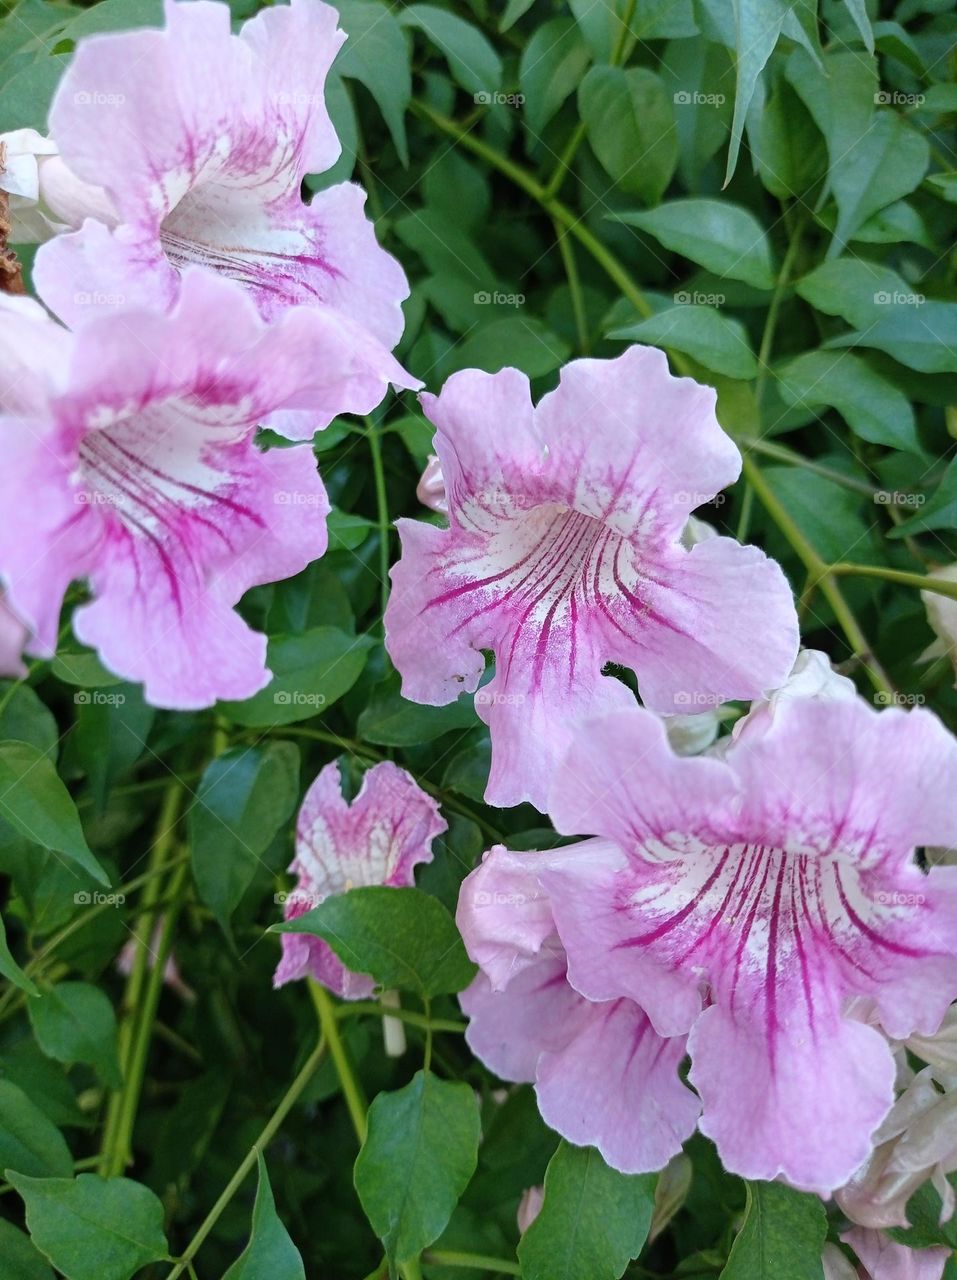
201 140
746 900
379 838
130 462
916 1143
603 1077
564 553
882 1258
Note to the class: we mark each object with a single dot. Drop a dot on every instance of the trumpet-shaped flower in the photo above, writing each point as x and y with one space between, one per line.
564 553
379 839
130 463
201 140
603 1076
882 1258
44 196
747 900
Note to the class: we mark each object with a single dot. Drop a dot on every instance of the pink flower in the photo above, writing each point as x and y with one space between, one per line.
201 140
746 900
45 197
130 462
563 553
883 1259
430 490
603 1076
13 639
379 838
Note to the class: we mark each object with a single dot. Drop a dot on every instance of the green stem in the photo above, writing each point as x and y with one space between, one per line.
819 574
574 288
920 581
771 322
289 1100
356 1008
382 511
478 1261
351 1088
113 1146
781 453
119 1153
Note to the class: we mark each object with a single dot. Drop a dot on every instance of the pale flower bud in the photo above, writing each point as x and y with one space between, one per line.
45 197
812 676
942 617
431 488
529 1207
13 636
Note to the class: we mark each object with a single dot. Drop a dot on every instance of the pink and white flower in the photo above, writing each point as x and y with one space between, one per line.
44 196
130 463
603 1076
378 839
882 1258
564 553
201 140
745 901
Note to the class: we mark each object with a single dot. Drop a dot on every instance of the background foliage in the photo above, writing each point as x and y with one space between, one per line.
768 191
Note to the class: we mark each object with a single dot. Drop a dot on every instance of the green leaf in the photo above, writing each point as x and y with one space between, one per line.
26 719
858 11
593 1221
310 672
243 798
716 234
420 1152
718 342
757 27
522 343
940 512
9 967
697 75
94 1228
513 11
871 405
29 1142
114 15
472 59
401 937
26 96
631 128
552 65
857 290
391 721
83 668
922 335
782 1235
75 1022
112 727
35 802
888 162
21 1258
346 531
377 55
270 1252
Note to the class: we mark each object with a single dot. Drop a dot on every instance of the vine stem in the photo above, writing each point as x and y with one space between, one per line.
478 1261
619 275
114 1148
382 514
351 1088
920 581
288 1101
356 1007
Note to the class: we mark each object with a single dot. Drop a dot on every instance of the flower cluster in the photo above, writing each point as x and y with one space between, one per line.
750 901
205 300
